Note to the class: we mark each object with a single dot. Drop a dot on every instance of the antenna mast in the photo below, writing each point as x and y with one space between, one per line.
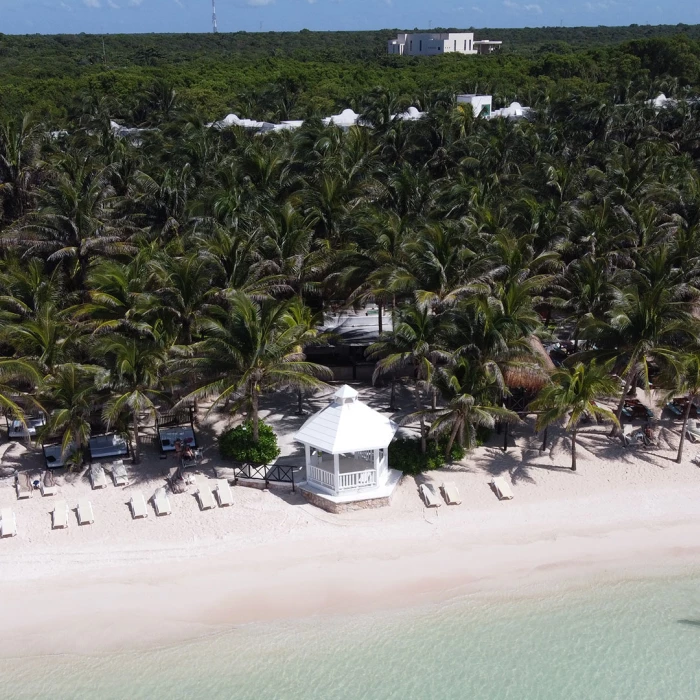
213 16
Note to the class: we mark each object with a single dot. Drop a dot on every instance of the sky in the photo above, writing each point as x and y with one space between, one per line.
127 16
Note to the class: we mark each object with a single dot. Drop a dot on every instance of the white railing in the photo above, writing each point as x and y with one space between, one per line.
321 476
357 480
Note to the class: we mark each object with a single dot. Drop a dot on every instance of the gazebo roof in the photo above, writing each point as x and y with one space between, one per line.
347 425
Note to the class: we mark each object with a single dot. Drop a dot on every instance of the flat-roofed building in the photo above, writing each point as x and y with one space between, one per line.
437 43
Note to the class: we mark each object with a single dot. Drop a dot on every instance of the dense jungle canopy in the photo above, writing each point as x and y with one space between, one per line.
295 75
192 261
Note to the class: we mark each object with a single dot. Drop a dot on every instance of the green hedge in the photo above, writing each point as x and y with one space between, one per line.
238 444
405 455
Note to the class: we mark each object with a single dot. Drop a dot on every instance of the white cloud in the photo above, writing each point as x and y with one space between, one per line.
179 3
312 2
534 8
135 3
511 5
477 9
65 7
113 4
91 3
258 3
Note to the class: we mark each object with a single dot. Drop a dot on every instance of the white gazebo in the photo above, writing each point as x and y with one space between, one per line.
346 445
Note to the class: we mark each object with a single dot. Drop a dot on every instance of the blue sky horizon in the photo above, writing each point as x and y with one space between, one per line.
137 16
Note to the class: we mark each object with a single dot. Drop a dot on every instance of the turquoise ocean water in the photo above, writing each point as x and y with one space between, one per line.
635 640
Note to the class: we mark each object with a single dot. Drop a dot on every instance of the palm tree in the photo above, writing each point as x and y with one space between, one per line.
683 369
19 148
471 391
256 348
414 343
573 392
74 221
643 321
137 372
71 394
49 338
183 292
15 373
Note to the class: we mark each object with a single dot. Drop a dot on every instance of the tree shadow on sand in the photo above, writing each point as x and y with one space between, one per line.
690 623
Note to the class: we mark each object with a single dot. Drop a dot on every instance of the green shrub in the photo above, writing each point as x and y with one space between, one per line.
405 454
483 435
238 444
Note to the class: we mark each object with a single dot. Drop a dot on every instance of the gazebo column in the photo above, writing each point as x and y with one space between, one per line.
336 472
307 457
377 466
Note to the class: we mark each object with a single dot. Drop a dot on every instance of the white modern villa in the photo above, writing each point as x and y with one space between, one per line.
436 43
346 447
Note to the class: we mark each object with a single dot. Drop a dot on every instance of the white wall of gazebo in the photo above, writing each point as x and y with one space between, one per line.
346 445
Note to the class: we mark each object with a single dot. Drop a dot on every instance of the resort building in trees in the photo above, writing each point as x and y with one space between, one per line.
436 43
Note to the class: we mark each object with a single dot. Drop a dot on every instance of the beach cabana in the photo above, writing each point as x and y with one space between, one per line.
108 445
346 446
172 427
54 456
17 430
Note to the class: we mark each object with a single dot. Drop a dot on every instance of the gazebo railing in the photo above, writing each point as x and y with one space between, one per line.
356 480
321 476
347 481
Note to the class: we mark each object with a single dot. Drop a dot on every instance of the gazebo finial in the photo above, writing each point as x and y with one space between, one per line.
345 394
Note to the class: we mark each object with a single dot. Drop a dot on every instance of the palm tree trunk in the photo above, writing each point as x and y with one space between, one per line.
679 456
419 407
544 440
450 442
573 450
621 403
379 306
137 437
300 398
392 400
187 331
254 414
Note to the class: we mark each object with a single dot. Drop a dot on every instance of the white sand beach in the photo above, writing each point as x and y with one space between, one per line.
122 584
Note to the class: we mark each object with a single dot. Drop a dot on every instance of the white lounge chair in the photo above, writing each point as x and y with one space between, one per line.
119 475
48 484
23 486
59 515
223 493
97 477
138 506
502 488
85 514
428 496
8 523
205 497
450 493
161 502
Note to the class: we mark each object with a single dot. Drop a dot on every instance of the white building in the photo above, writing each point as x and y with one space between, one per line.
436 43
346 446
481 104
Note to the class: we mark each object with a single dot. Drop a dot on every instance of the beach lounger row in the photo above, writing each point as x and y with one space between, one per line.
205 497
451 494
25 488
137 505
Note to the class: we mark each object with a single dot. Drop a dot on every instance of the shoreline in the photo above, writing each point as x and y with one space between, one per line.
130 605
